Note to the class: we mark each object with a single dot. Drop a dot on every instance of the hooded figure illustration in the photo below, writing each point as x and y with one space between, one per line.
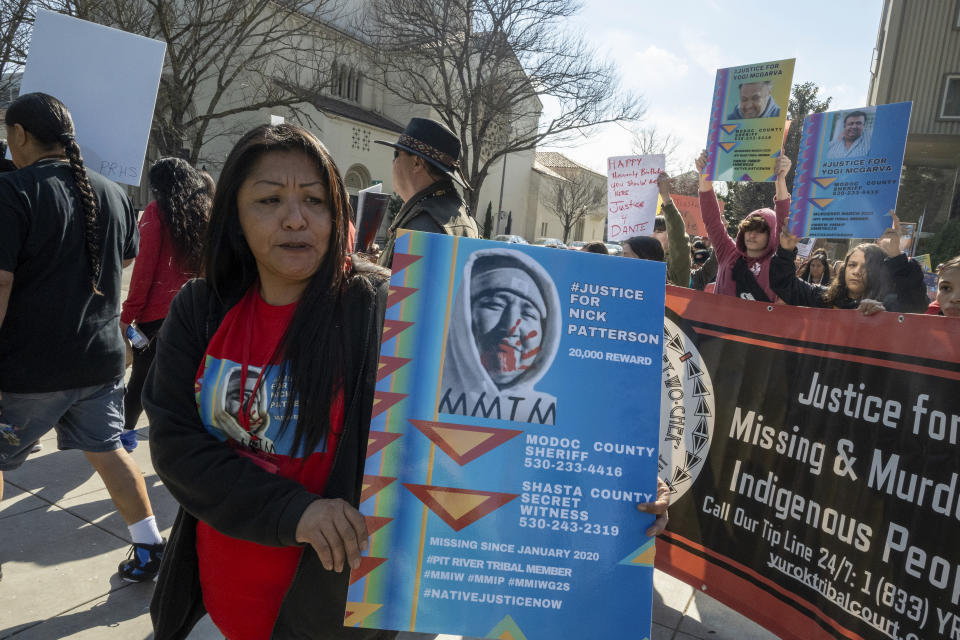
503 336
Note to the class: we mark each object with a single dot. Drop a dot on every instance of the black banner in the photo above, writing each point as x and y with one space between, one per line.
814 459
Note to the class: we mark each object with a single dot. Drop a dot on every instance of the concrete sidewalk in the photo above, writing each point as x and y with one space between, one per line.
62 541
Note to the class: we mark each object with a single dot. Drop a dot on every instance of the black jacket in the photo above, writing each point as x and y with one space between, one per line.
436 209
903 290
234 495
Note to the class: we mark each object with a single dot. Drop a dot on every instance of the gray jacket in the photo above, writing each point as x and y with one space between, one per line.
436 209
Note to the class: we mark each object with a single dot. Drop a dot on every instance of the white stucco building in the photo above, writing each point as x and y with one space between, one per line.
551 169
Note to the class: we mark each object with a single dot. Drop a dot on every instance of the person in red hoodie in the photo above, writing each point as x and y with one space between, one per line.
743 266
948 290
171 249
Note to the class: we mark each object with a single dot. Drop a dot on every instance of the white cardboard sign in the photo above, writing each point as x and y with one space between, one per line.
632 195
805 246
108 79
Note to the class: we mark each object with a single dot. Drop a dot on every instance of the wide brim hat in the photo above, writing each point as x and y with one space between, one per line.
435 143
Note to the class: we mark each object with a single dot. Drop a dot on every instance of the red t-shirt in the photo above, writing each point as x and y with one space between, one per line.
244 583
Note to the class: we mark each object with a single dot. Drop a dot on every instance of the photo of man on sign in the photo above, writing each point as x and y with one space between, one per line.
853 136
503 337
755 102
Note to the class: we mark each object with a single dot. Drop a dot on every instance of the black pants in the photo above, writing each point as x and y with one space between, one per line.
132 407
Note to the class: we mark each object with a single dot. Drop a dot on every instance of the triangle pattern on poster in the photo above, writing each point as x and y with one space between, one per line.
456 505
459 507
389 364
403 260
357 612
729 128
727 146
824 182
506 629
377 440
392 328
372 485
463 442
383 400
746 178
676 343
822 202
367 564
642 557
699 389
672 489
702 409
396 294
375 523
693 370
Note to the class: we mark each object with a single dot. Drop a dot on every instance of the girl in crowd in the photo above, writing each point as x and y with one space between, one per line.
171 250
874 277
948 290
816 270
743 266
260 400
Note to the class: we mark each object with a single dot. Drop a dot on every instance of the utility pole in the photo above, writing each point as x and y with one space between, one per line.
503 179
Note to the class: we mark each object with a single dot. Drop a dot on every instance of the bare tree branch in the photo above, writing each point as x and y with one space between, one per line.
484 67
574 198
225 58
651 140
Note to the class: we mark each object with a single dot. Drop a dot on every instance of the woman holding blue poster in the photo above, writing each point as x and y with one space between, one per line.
874 277
260 400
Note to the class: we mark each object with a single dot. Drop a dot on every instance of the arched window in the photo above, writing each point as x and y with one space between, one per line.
356 87
357 177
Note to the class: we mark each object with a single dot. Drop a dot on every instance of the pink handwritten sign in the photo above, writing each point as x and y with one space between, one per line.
632 195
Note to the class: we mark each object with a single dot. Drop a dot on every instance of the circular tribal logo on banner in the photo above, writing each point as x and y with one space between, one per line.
686 411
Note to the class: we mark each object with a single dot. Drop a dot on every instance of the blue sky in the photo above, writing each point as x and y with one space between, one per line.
670 51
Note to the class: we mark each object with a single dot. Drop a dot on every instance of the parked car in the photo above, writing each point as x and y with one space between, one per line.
615 248
511 239
553 243
576 245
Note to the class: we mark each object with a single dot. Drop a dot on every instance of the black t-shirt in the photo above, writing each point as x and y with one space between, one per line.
57 333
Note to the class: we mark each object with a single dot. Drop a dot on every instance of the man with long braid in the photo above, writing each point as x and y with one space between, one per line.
67 234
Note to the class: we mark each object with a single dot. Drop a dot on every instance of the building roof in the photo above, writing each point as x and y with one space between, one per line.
555 160
547 171
326 104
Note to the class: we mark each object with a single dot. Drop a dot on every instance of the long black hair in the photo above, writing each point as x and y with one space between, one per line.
804 272
184 199
49 122
876 285
312 348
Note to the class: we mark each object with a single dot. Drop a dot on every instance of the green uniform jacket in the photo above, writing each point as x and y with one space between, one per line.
678 256
436 209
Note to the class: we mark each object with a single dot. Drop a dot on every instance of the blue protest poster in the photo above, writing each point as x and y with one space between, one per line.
516 426
848 171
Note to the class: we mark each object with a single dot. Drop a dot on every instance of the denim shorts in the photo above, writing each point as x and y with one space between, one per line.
88 418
